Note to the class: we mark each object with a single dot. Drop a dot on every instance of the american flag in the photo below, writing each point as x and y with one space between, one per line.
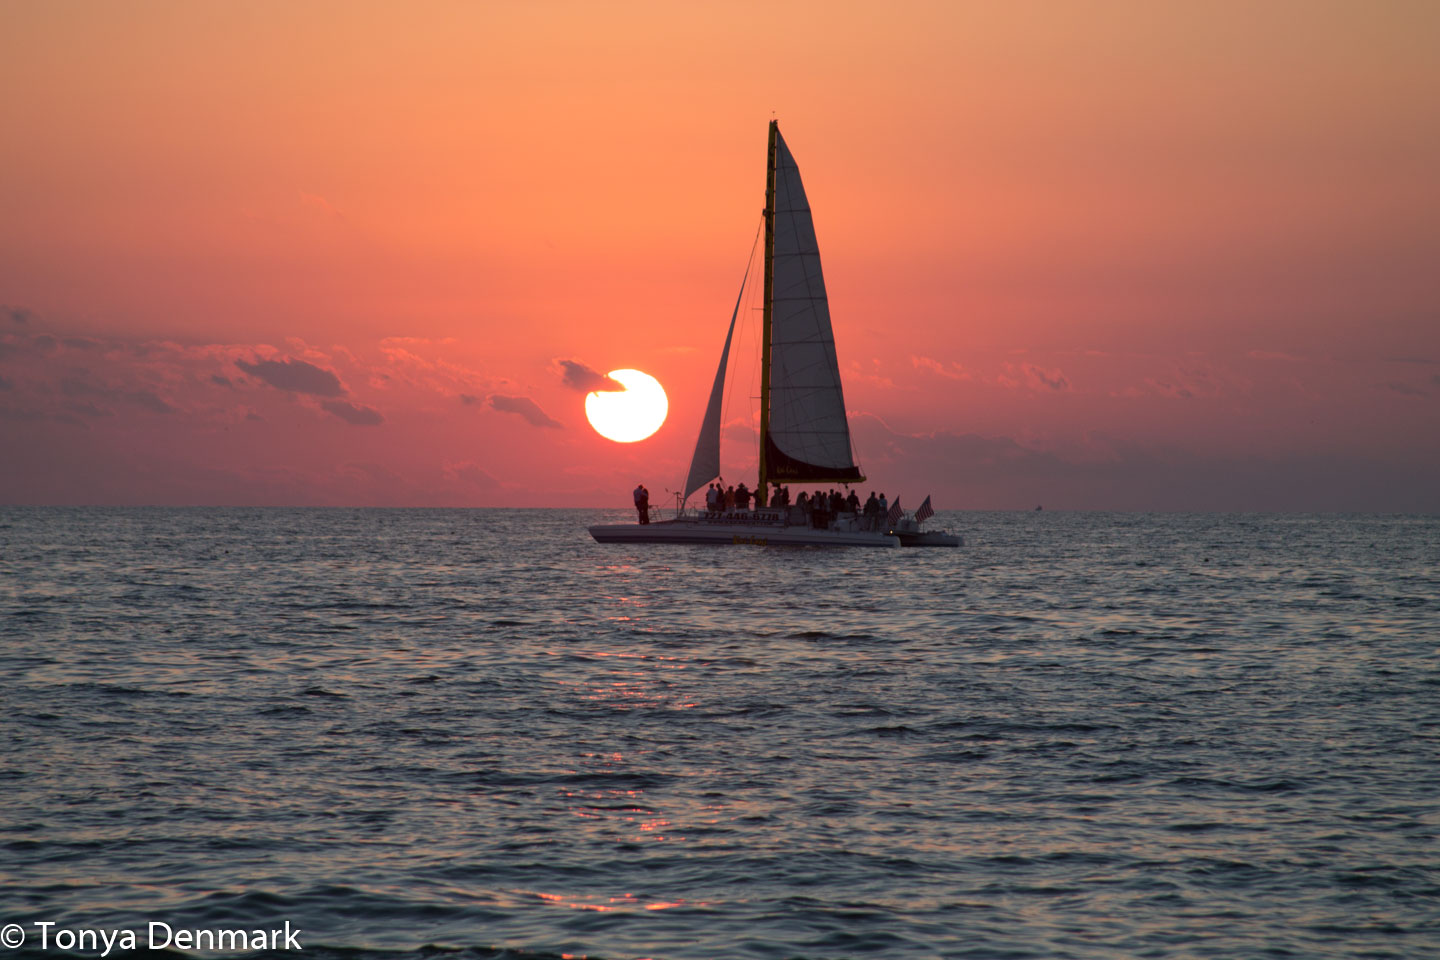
925 512
893 517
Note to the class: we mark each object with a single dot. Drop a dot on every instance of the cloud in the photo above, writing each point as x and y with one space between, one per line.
1032 376
1039 376
469 399
439 374
952 372
525 407
6 384
22 415
856 373
89 408
317 202
577 376
1407 390
468 472
1167 388
146 399
1189 383
354 413
296 376
150 401
222 381
75 387
19 315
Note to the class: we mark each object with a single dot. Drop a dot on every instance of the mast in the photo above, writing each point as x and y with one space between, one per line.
763 487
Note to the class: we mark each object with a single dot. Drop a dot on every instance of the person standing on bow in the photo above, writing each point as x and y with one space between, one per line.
642 502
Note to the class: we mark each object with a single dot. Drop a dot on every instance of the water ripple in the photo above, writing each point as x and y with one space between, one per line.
453 734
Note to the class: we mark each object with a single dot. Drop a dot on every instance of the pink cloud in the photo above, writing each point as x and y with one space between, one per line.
953 371
1030 375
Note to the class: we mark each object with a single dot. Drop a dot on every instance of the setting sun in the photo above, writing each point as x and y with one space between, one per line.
631 414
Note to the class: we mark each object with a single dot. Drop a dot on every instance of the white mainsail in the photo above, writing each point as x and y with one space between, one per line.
807 406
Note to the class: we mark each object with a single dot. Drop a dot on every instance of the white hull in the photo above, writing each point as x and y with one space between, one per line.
692 530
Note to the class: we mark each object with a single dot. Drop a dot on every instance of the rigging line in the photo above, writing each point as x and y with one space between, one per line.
756 329
726 392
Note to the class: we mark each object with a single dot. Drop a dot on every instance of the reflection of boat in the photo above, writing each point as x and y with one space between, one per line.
804 433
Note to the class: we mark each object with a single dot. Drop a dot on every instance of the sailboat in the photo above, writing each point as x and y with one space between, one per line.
804 432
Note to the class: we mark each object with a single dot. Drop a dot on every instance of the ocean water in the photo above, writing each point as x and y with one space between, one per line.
414 732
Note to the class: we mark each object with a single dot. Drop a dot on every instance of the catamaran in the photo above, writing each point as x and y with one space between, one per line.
804 432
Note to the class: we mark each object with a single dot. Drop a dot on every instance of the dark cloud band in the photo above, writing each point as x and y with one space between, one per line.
577 376
297 376
524 407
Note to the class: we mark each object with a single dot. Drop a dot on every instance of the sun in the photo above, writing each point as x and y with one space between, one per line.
629 415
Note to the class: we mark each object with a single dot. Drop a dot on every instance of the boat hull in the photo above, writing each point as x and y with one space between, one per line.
737 534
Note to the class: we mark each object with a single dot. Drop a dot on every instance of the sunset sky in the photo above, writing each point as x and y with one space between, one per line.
1136 256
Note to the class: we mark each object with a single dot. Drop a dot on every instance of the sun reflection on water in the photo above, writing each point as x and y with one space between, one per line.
618 903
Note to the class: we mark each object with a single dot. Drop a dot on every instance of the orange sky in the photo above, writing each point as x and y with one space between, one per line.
1109 255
